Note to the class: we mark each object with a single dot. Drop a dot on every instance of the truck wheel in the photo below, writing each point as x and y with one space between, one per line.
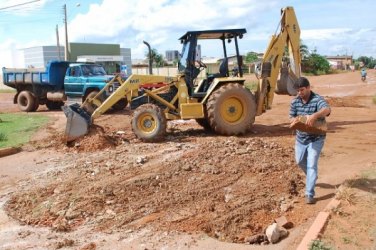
231 109
36 103
26 101
54 105
121 104
149 123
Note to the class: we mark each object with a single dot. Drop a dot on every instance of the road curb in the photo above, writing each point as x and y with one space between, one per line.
9 151
317 226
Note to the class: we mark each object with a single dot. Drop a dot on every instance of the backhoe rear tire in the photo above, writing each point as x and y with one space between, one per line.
231 109
26 101
149 123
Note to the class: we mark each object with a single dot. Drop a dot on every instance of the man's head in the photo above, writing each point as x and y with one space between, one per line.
303 87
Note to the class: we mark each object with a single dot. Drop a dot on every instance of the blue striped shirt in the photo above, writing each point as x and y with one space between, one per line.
299 108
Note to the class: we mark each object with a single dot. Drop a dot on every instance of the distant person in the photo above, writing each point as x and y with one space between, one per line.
363 74
308 146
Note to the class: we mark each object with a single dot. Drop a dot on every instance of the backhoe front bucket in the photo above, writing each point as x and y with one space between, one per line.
78 122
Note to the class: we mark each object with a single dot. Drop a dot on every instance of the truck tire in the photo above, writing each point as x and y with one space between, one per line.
120 105
54 105
36 103
149 123
26 101
231 109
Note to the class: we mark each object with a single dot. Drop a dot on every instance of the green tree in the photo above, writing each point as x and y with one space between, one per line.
251 57
316 64
156 58
369 62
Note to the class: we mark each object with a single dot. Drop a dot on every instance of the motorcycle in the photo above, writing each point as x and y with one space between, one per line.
364 75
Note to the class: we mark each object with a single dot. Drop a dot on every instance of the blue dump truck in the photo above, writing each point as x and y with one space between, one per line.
51 86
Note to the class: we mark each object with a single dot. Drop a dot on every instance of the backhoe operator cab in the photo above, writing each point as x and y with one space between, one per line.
190 64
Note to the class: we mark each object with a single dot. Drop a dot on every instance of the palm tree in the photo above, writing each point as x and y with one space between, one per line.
156 58
304 51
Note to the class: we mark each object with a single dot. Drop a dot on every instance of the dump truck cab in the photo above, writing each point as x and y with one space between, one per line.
190 64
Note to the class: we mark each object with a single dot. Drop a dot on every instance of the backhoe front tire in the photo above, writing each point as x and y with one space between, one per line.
149 123
26 101
231 109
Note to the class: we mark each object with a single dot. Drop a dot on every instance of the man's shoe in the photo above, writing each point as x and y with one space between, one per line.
310 200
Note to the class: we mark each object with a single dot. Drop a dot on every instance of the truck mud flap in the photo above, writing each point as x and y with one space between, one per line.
78 122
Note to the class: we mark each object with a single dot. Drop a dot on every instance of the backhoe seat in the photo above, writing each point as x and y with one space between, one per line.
223 71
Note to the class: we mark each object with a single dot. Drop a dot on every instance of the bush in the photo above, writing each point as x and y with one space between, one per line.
318 245
316 64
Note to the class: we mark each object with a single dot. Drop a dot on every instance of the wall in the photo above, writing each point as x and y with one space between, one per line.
80 49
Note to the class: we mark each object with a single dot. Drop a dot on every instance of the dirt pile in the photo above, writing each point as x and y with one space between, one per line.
227 187
347 101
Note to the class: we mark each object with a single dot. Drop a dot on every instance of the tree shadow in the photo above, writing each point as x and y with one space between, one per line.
338 125
365 184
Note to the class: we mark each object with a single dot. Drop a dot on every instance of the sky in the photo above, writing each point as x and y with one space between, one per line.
331 27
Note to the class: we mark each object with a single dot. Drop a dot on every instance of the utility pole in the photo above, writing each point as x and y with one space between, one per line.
67 57
58 43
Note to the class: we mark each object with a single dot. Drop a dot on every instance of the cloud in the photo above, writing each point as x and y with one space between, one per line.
323 34
341 41
11 55
160 22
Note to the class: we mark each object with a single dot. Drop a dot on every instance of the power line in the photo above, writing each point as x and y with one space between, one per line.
19 4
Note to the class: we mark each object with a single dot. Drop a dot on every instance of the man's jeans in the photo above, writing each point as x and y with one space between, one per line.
307 157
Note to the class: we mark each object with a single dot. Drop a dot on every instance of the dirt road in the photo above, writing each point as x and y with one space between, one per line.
195 190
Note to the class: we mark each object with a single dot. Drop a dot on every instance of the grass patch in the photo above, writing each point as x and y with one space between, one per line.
7 91
374 99
16 129
251 85
319 245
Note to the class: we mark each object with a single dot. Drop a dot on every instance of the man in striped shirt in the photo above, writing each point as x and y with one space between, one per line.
308 146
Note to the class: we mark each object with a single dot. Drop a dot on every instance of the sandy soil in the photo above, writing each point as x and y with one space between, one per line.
194 190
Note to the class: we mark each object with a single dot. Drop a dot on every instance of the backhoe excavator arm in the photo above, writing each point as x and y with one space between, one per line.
289 36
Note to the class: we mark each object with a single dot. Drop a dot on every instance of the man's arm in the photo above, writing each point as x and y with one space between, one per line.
319 114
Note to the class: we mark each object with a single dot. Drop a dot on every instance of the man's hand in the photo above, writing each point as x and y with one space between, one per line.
293 121
311 119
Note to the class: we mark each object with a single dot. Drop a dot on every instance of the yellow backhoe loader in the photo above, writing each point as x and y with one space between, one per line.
219 101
